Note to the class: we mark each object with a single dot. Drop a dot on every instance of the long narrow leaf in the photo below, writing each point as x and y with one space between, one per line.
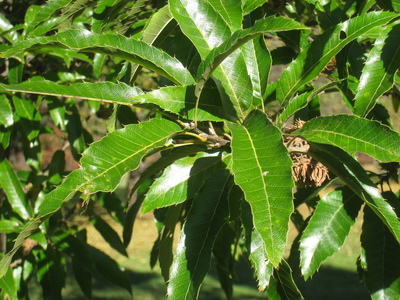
350 171
378 74
181 100
208 214
114 45
103 164
313 59
328 228
207 29
183 180
119 93
13 189
354 134
262 169
381 251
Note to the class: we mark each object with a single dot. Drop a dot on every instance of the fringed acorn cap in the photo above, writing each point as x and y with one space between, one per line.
306 170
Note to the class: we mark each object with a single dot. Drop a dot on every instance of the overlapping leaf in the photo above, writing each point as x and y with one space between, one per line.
327 230
111 44
206 217
354 134
256 249
207 29
103 164
12 187
350 171
218 54
182 180
301 101
6 114
282 285
379 70
313 59
101 91
181 100
382 271
262 169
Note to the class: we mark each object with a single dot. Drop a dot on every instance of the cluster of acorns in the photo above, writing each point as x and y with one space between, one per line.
307 172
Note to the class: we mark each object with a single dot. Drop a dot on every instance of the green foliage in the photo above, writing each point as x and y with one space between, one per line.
185 95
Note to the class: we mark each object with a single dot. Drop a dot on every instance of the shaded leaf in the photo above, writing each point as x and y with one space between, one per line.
378 73
193 254
282 285
262 169
109 269
301 101
111 44
354 134
328 228
109 235
13 190
382 270
7 285
312 60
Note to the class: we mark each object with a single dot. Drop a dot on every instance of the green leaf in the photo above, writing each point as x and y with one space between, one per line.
230 11
206 217
312 60
382 271
350 171
109 235
218 54
250 5
262 168
207 29
9 226
113 45
181 100
282 285
354 134
6 114
256 249
301 101
13 190
7 285
100 91
51 272
328 228
121 151
183 179
109 269
166 242
379 70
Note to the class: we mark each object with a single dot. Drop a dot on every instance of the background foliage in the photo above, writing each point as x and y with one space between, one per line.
226 150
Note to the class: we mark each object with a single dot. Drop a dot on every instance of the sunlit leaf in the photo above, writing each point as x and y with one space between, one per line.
193 255
350 171
328 228
114 45
312 60
183 179
262 169
119 93
378 74
354 134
